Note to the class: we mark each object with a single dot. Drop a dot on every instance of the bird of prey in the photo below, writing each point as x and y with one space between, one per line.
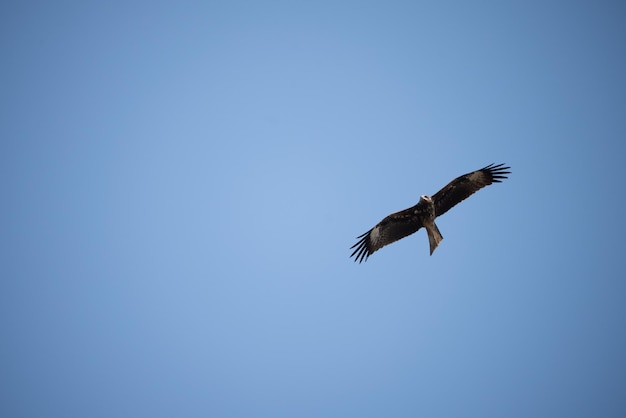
406 222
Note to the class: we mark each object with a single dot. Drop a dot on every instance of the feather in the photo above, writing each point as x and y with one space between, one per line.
393 228
466 185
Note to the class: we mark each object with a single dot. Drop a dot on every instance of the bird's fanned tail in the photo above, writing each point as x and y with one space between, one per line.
434 236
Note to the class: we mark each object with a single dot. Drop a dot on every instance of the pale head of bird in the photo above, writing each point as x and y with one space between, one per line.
426 198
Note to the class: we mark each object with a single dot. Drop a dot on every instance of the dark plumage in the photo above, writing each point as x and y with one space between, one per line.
406 222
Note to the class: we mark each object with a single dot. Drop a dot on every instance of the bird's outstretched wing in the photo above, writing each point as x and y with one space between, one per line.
464 186
394 227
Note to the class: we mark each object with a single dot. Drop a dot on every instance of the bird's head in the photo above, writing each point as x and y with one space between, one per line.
426 198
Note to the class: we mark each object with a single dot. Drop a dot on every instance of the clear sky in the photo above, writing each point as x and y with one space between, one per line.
181 183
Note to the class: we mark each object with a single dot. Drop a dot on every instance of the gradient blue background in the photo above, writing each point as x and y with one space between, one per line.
181 182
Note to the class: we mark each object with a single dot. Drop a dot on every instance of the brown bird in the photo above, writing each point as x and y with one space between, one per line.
406 222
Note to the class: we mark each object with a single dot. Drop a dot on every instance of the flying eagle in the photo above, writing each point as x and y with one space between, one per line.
406 222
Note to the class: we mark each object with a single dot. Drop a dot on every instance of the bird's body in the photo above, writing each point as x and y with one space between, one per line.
406 222
429 214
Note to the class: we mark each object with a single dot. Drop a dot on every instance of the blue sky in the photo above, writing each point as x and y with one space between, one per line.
182 182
